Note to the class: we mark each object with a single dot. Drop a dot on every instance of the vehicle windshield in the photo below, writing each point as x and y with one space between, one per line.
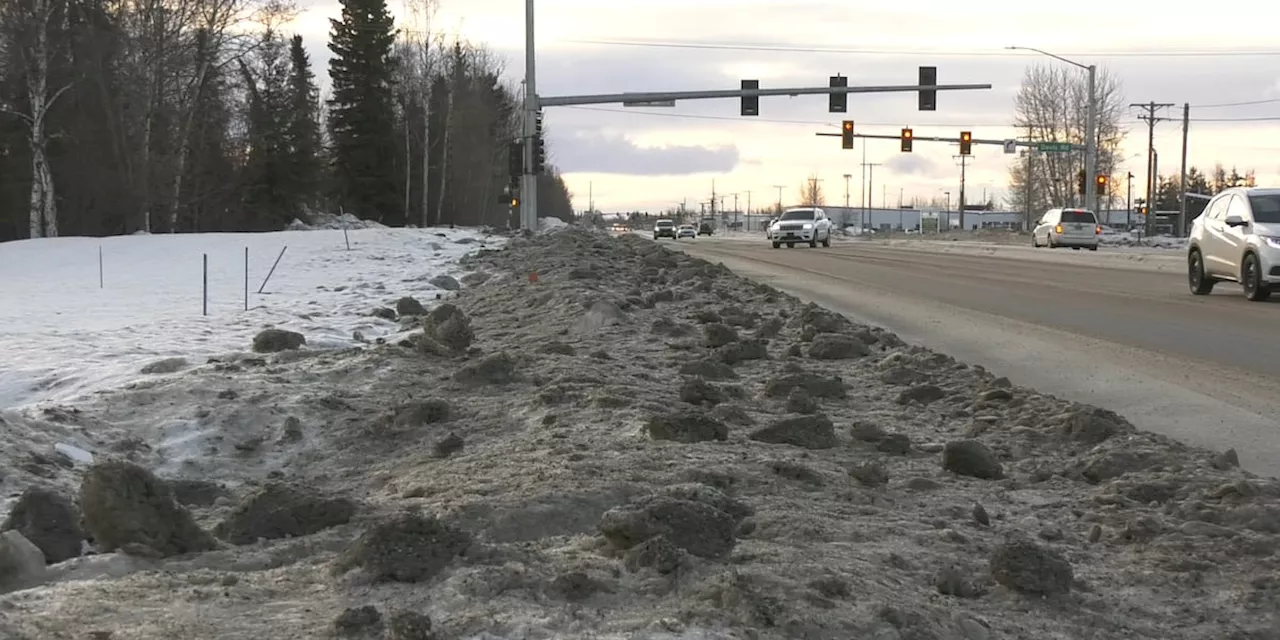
1079 216
1266 208
798 214
666 223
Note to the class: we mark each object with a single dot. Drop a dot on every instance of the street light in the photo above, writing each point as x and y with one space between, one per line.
1090 127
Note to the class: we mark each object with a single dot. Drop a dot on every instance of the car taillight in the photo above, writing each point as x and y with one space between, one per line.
1097 230
1057 229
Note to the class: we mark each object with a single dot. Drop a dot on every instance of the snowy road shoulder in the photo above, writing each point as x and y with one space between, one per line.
86 314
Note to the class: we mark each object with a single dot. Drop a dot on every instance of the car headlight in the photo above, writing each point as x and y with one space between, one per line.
1272 241
808 226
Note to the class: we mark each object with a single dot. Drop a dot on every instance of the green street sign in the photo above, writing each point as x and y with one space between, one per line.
1053 147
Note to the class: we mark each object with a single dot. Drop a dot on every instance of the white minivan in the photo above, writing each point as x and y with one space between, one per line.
1075 228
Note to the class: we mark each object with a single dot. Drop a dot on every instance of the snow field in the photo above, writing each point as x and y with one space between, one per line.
67 334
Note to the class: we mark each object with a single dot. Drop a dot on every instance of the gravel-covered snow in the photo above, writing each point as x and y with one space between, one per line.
633 444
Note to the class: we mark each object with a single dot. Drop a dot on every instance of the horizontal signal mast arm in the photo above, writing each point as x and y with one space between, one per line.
660 96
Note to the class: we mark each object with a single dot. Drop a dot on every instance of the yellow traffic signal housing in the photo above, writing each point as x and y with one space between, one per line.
966 143
906 140
846 134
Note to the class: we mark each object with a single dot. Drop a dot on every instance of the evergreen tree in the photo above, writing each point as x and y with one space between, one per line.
303 126
270 199
362 120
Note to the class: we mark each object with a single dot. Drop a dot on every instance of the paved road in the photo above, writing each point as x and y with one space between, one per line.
1202 369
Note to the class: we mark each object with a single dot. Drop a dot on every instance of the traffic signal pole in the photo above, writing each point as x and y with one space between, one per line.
529 181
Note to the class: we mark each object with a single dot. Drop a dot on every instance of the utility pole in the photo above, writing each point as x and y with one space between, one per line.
779 188
964 161
1151 119
812 196
735 202
529 181
591 197
871 174
847 176
1182 181
713 198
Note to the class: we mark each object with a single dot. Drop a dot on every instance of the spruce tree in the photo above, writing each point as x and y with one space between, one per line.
361 111
270 198
303 129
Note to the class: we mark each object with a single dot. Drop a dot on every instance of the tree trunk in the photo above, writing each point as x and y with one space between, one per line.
444 144
43 212
426 143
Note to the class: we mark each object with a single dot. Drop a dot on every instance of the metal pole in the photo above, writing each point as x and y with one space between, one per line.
847 177
1091 143
1030 176
1153 206
862 186
529 181
1182 181
1128 205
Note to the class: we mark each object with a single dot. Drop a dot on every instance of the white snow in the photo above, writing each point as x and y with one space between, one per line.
65 336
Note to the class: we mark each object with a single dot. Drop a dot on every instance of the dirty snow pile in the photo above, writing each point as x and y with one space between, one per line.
83 314
320 220
633 444
1131 239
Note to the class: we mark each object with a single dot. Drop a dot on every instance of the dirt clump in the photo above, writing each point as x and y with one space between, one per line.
274 340
124 503
48 520
408 547
279 510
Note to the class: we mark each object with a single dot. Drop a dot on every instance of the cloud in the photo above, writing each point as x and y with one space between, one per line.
662 155
910 164
613 154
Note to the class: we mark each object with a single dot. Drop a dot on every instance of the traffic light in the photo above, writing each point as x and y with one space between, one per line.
838 102
515 160
846 134
1080 182
750 104
966 143
539 146
1101 182
1143 210
906 140
929 97
515 202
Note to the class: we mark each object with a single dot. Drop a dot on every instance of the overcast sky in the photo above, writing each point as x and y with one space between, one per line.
651 159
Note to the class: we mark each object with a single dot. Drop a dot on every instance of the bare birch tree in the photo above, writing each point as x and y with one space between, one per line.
1052 106
811 194
29 42
422 14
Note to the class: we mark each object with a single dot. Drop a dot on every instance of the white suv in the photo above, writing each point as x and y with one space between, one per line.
801 224
1237 238
1075 228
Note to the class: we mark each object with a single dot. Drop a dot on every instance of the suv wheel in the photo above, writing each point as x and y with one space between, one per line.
1251 279
1200 282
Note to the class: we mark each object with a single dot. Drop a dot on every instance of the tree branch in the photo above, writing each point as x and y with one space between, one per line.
4 108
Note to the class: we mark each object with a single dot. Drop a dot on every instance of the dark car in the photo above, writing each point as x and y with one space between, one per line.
664 229
704 229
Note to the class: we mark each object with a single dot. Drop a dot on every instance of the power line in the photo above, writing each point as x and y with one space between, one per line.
1236 104
1205 53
